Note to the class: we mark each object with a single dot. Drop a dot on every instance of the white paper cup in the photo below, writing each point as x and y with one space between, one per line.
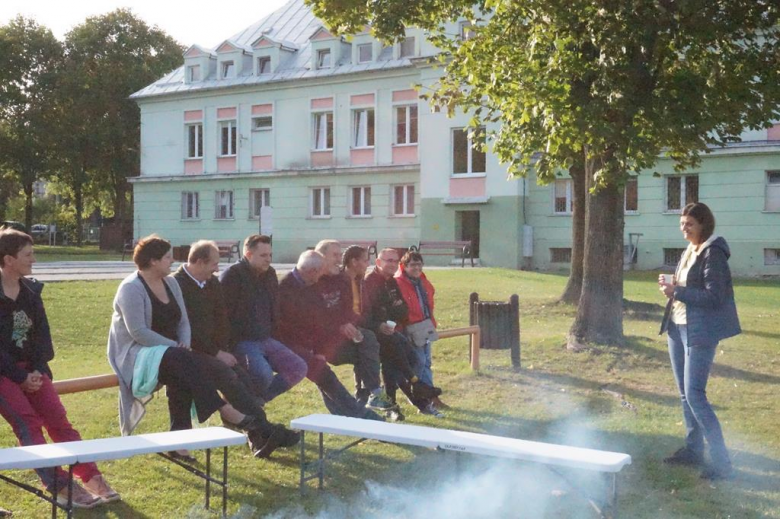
391 324
668 278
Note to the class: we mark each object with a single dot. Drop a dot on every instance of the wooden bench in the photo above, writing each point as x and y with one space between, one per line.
87 451
226 248
457 441
462 247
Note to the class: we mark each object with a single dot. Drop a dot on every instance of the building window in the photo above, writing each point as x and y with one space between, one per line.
407 47
190 205
258 198
772 202
227 131
672 257
771 256
363 128
228 69
406 124
193 73
681 191
223 205
560 255
466 31
562 199
365 52
631 196
323 131
403 200
323 58
465 159
361 201
264 65
195 141
320 202
263 123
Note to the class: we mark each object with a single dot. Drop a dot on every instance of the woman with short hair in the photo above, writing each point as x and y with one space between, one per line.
700 312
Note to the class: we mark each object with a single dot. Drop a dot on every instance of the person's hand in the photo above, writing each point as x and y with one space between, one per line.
227 358
349 331
386 329
183 345
33 382
666 288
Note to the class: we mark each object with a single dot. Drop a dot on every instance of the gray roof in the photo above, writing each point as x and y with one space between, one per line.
291 26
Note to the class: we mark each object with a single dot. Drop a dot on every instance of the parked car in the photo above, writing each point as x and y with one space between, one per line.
10 224
39 228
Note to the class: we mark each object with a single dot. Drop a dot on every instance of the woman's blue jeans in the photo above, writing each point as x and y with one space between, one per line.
691 366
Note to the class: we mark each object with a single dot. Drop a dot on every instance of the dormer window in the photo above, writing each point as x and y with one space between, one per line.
228 69
323 58
466 31
264 65
407 47
365 53
193 73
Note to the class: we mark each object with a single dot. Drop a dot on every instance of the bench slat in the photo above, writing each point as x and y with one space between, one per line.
461 441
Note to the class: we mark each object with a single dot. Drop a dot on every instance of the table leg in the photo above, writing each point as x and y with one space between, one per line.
54 492
321 465
303 460
224 481
208 478
70 491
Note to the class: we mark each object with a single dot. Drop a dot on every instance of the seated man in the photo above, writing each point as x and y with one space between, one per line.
341 341
250 287
207 314
300 326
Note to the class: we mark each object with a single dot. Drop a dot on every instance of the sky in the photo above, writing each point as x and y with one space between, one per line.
190 22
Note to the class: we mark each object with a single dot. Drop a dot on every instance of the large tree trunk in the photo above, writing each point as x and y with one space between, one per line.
28 205
78 200
571 294
600 312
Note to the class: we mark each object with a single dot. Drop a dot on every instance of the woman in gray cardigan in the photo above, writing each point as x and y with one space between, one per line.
149 344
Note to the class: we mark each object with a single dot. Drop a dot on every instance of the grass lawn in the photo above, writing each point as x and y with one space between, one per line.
48 253
558 396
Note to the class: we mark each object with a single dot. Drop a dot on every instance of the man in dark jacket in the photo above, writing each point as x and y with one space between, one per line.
250 289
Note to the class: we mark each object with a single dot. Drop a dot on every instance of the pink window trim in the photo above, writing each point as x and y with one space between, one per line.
266 109
361 157
363 99
467 187
321 159
773 133
226 47
263 42
322 35
262 162
226 113
405 155
226 165
193 166
322 103
193 115
193 52
404 95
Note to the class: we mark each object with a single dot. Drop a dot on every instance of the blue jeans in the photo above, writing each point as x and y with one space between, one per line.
263 358
423 364
691 366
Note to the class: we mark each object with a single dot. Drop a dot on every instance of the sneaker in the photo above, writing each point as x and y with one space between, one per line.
98 487
395 415
685 456
438 403
280 437
431 410
5 513
379 401
81 498
717 472
422 391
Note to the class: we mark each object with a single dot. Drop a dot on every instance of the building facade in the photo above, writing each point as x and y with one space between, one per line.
286 128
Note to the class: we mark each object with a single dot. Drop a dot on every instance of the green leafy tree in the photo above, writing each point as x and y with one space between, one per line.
29 56
613 85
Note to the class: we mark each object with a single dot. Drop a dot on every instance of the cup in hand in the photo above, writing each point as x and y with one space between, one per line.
358 338
391 324
668 279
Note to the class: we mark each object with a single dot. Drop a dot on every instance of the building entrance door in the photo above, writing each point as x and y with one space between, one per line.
468 228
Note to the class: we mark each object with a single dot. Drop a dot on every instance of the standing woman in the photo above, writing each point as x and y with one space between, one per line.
700 313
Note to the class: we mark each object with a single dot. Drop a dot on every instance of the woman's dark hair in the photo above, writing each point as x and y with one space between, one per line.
11 242
352 252
150 248
411 256
702 214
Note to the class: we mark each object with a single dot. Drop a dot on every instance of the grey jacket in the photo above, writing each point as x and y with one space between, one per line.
131 329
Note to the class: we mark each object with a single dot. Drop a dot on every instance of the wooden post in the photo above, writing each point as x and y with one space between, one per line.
473 319
514 303
476 338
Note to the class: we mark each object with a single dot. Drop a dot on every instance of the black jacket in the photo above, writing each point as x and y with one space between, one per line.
36 347
251 302
710 310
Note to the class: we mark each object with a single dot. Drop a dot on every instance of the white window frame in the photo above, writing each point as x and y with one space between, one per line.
635 181
569 199
315 122
321 53
326 209
364 195
409 40
218 205
771 257
408 122
469 153
227 69
198 136
190 204
193 73
232 137
265 201
772 192
256 119
361 138
260 61
361 47
405 210
683 194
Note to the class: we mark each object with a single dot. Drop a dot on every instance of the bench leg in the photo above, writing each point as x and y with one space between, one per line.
224 481
70 491
208 478
54 493
321 465
303 460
